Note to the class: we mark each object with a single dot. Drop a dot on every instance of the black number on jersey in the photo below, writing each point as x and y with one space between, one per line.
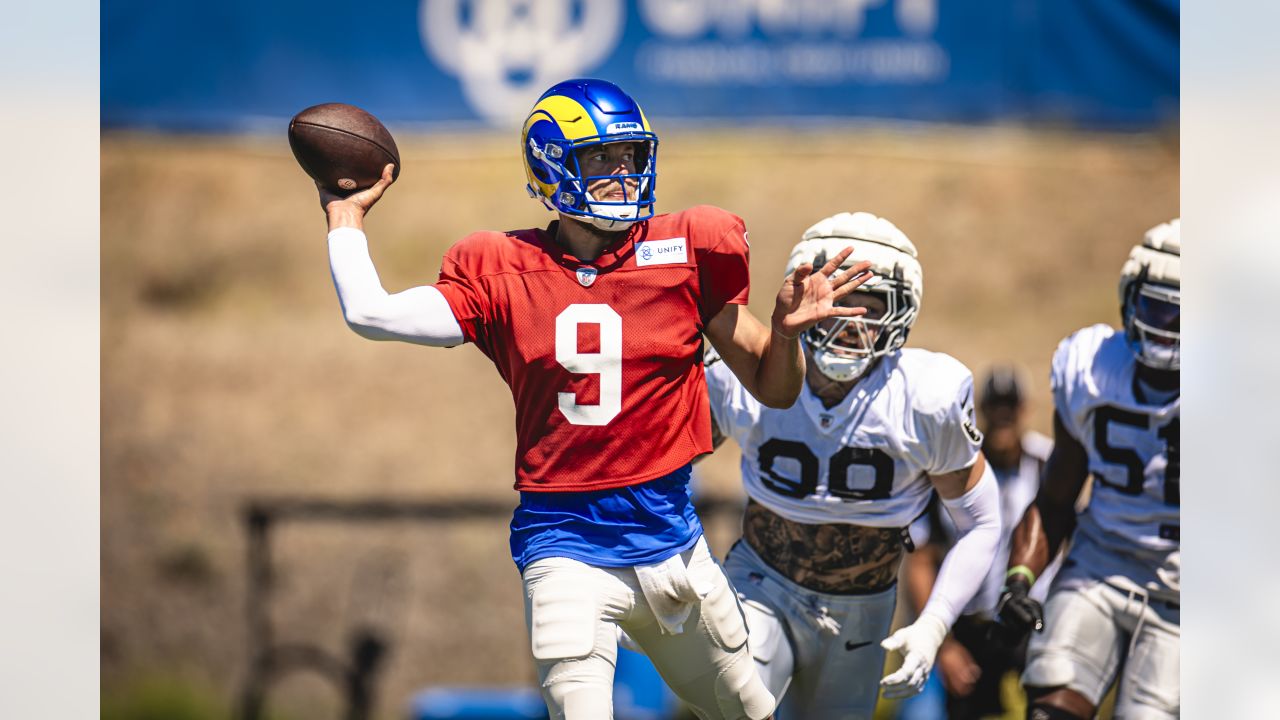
838 472
875 458
1129 458
797 451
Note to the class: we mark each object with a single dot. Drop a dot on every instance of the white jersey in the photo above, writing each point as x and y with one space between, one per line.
1132 446
865 461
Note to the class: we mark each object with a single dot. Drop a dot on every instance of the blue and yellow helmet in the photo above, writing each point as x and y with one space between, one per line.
584 113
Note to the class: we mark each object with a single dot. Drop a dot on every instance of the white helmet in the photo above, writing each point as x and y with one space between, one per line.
1151 296
898 278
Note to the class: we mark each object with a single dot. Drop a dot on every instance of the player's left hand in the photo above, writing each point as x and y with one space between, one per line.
918 643
1017 614
808 297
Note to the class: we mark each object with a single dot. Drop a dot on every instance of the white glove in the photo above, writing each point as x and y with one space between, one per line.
918 643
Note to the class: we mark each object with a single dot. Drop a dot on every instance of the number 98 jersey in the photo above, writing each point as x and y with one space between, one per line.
1132 445
865 461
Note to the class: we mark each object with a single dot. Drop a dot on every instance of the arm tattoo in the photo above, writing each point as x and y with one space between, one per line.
835 558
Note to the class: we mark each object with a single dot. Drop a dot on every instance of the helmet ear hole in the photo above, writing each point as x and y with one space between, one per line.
540 172
537 160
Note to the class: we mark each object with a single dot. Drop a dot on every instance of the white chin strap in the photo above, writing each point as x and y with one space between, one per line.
840 369
1159 357
620 220
1157 349
617 217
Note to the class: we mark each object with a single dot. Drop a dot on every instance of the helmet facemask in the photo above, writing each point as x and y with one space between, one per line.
1151 297
559 161
844 349
1152 323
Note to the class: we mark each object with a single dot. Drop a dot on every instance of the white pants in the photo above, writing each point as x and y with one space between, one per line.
819 654
1091 627
573 610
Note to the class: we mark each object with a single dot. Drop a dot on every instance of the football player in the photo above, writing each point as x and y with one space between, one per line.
973 660
835 481
596 324
1115 603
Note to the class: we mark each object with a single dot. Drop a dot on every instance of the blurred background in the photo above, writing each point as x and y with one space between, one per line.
303 523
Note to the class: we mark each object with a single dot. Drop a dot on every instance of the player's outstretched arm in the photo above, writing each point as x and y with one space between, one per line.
768 361
972 499
418 315
1046 523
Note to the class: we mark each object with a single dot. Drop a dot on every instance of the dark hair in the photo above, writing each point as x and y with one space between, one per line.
1001 387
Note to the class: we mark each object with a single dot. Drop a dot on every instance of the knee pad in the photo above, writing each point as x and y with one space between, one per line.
740 692
723 616
580 703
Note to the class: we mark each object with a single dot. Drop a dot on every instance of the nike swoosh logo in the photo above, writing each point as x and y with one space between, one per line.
851 645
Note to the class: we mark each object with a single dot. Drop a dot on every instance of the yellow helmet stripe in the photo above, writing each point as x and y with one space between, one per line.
574 120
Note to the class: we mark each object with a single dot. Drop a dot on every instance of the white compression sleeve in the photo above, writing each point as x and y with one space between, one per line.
976 515
417 315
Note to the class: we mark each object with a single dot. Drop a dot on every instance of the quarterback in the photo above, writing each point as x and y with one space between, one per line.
596 325
835 481
1115 602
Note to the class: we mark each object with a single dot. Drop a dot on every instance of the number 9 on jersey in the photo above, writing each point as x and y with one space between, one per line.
607 363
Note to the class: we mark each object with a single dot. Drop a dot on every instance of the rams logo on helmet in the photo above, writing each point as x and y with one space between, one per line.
580 114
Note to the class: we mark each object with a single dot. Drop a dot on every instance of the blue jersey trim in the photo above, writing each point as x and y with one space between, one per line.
619 527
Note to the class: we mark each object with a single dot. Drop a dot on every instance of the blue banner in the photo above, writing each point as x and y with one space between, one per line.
241 65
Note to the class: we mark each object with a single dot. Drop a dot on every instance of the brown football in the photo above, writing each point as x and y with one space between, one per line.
341 146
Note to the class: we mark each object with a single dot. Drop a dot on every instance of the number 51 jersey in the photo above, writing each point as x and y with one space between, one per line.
602 357
865 461
1132 446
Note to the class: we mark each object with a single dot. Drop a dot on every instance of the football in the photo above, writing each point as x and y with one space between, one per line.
341 146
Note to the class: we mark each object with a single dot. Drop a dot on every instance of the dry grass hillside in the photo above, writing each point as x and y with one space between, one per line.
228 372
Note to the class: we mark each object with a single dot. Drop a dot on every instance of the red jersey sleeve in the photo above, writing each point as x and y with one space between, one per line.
460 286
723 262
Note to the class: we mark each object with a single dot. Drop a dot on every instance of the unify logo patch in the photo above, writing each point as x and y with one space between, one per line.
586 276
661 252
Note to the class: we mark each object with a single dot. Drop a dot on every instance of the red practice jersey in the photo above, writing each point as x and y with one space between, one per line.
601 357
